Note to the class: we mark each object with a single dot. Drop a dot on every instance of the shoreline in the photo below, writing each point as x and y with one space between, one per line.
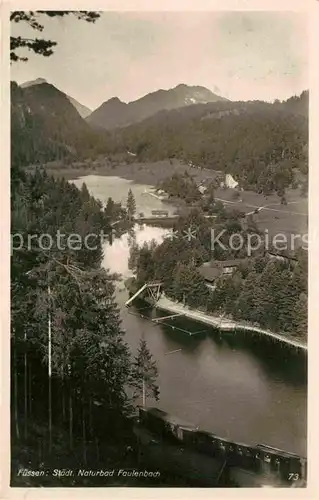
149 173
222 324
219 322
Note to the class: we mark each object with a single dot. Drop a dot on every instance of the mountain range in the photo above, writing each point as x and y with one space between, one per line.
84 111
260 143
116 113
44 124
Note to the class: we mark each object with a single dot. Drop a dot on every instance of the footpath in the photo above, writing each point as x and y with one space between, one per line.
223 324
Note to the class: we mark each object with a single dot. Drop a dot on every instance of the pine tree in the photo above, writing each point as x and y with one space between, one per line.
144 374
85 193
130 205
300 317
71 326
189 286
41 46
108 210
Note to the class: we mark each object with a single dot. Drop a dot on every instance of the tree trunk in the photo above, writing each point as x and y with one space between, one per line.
49 376
63 400
70 418
15 392
97 450
143 393
50 414
40 450
30 388
25 388
84 432
91 419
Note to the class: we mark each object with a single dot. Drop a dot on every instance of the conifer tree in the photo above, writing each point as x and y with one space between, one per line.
144 374
189 286
33 19
130 205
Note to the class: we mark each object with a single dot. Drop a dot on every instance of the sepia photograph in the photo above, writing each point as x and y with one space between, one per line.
159 248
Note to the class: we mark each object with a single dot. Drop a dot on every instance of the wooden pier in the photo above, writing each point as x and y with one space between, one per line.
224 324
156 320
160 301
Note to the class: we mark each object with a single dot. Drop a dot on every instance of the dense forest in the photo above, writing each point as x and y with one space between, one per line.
74 382
45 126
75 385
262 145
262 291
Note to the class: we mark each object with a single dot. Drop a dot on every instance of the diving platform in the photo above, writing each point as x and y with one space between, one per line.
154 290
156 320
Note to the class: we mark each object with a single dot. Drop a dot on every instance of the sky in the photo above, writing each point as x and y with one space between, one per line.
238 55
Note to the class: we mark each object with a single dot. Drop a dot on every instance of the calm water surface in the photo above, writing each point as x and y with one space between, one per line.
240 387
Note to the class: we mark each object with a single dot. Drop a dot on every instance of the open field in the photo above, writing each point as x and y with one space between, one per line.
290 219
141 173
272 215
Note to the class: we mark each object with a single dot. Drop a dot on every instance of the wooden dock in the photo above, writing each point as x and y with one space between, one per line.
167 317
160 301
224 324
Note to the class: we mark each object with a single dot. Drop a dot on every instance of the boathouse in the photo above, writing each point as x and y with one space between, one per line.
283 256
214 269
160 213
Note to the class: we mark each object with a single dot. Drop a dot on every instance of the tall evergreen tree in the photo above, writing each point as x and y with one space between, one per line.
68 349
130 205
189 286
144 374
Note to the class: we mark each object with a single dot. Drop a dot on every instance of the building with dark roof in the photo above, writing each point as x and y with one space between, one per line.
212 270
284 256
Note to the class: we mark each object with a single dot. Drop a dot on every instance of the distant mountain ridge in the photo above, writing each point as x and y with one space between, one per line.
84 111
44 124
115 113
261 144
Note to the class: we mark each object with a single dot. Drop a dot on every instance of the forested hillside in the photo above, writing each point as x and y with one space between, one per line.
115 113
45 125
264 146
260 144
262 291
70 366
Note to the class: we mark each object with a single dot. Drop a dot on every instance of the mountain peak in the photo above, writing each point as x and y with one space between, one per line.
84 111
115 113
114 100
37 81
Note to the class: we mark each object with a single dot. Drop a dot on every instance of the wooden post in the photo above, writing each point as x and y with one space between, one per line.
15 390
70 419
143 393
50 370
25 388
30 388
84 432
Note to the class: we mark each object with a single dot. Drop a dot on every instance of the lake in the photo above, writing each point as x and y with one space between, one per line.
240 387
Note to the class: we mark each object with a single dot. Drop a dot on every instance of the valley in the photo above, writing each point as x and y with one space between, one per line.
71 173
272 215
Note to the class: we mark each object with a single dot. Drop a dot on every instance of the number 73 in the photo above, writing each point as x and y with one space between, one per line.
293 476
